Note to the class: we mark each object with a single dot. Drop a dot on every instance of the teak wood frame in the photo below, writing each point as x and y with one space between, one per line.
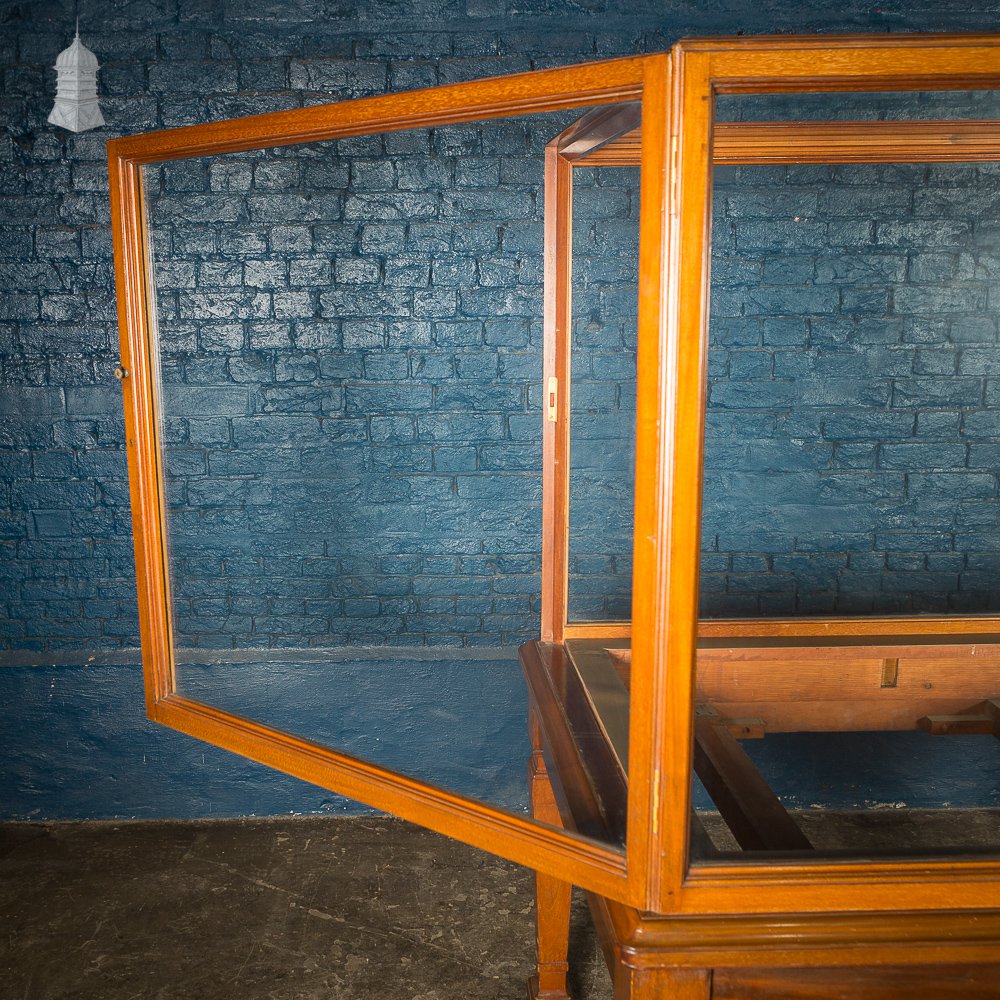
734 143
703 69
742 929
742 955
677 92
668 506
598 866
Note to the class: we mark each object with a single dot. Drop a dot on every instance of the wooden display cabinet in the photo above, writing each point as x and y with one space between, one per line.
624 712
774 917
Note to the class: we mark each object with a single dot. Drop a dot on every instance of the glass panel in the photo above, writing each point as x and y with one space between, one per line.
850 469
900 105
850 438
350 347
605 270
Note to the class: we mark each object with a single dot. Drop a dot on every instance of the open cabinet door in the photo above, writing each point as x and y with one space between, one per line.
332 357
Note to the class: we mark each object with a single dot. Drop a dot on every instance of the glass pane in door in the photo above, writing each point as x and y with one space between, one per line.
350 363
605 300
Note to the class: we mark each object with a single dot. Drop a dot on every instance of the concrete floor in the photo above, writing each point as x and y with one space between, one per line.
316 907
337 909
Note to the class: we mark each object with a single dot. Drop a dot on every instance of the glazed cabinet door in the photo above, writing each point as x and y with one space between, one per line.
332 335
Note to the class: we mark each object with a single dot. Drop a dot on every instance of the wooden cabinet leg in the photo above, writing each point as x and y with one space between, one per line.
662 984
552 898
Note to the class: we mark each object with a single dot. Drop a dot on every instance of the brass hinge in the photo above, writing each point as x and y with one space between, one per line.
552 398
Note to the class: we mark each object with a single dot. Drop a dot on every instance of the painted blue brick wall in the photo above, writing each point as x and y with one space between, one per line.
351 349
351 352
605 276
66 574
851 442
64 526
850 453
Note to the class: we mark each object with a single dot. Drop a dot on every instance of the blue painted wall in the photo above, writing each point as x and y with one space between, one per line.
851 442
76 743
351 357
66 575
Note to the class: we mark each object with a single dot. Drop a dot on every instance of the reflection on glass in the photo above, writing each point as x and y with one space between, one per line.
850 469
350 352
605 268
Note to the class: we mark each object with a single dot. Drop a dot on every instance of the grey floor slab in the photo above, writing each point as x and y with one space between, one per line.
288 908
311 907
